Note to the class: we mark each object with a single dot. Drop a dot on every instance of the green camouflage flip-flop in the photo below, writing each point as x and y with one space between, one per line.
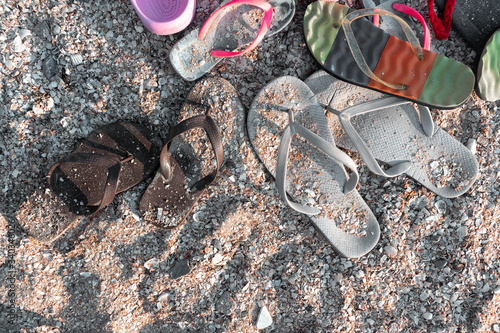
353 49
488 70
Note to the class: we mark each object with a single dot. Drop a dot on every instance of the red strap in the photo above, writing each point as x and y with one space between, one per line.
441 27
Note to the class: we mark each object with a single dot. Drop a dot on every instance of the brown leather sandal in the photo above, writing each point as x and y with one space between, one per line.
114 158
212 117
171 192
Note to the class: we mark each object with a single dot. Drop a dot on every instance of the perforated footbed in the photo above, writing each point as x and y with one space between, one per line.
394 134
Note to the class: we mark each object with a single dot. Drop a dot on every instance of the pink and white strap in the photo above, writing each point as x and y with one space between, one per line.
265 6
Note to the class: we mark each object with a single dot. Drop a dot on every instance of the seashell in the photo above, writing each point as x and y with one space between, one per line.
264 319
18 45
24 33
9 64
152 263
440 206
197 216
472 145
76 59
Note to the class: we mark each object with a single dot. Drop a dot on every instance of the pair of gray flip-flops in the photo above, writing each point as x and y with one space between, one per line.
293 138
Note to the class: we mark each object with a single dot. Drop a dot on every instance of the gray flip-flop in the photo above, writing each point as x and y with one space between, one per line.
235 26
289 132
391 130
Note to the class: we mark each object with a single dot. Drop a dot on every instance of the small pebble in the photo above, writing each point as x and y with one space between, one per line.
163 297
264 320
180 269
391 250
152 263
49 67
217 259
441 263
472 145
76 59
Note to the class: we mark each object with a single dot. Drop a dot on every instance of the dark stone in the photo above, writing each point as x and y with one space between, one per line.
180 269
42 30
225 304
49 67
441 263
435 238
124 91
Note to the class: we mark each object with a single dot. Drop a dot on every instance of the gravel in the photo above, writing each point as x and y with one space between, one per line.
69 66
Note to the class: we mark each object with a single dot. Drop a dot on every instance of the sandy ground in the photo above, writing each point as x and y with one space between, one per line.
70 66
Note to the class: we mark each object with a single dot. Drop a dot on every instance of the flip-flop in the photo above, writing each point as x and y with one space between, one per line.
113 158
391 130
358 52
488 70
308 167
165 17
235 25
186 162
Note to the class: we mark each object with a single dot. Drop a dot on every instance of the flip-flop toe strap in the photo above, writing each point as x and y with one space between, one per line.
323 145
356 51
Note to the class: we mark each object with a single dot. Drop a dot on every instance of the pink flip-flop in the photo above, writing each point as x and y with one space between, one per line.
165 17
238 26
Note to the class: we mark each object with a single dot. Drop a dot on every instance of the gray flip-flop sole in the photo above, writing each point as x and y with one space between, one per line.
236 26
312 178
439 162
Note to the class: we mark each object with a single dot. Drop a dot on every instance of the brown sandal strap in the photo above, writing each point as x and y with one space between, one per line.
112 163
206 123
